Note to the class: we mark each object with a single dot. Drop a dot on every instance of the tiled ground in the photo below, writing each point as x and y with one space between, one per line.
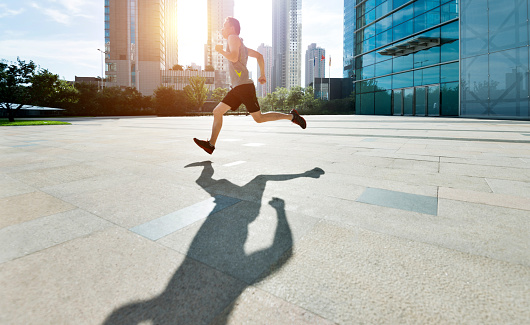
357 219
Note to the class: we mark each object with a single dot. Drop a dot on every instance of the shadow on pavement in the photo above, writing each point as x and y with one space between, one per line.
196 294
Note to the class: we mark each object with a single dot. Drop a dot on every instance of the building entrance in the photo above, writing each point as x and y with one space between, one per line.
417 101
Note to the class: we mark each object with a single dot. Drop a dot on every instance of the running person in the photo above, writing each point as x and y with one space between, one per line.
243 90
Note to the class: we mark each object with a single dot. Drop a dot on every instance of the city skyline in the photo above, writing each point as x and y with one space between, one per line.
63 36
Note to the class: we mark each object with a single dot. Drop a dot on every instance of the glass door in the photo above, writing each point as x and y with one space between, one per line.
408 101
421 100
397 102
433 100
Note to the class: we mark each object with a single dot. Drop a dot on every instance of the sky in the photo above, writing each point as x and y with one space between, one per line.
64 36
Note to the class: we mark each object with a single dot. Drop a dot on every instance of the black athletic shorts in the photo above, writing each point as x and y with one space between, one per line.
242 94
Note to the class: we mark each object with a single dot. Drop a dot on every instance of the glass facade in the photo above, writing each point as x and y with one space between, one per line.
494 66
439 57
405 55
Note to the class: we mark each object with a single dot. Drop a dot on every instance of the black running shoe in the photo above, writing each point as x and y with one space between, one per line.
297 119
205 145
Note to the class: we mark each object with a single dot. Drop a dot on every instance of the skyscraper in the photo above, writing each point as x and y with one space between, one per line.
140 40
218 10
266 51
287 43
315 67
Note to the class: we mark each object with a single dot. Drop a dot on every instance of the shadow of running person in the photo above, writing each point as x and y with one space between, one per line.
196 293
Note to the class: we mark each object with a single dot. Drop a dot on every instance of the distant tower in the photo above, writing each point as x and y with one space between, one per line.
266 51
218 11
140 40
315 67
287 43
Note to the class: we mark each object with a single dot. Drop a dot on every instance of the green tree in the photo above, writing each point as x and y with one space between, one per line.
49 91
309 103
281 95
219 93
14 81
169 101
87 103
268 103
295 97
196 91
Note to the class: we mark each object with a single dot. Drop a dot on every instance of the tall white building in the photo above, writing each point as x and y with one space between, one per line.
266 51
315 67
218 11
287 43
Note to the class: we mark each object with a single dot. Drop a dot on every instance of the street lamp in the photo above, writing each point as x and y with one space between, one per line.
102 66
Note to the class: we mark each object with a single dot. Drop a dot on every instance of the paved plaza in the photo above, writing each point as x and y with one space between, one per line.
354 220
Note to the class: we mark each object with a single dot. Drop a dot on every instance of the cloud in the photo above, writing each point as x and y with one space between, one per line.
65 11
57 55
5 11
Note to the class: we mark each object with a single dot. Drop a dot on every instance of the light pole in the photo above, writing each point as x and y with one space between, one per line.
102 66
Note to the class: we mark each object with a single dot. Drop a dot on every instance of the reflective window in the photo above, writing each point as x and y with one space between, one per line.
367 104
450 44
449 11
383 24
474 33
383 68
427 20
508 26
403 80
369 31
403 30
384 83
399 3
368 72
421 6
474 99
383 103
383 9
403 14
367 86
369 44
449 99
427 57
403 63
449 72
508 90
383 38
427 76
369 58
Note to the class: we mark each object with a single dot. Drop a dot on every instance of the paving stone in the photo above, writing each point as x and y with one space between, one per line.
384 279
24 207
38 234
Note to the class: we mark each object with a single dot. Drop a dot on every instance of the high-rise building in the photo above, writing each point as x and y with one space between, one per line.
218 11
439 57
266 51
287 43
140 41
349 39
315 66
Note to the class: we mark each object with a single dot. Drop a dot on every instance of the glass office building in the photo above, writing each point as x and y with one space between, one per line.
438 57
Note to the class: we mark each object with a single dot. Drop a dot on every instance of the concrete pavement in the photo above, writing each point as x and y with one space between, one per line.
355 220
